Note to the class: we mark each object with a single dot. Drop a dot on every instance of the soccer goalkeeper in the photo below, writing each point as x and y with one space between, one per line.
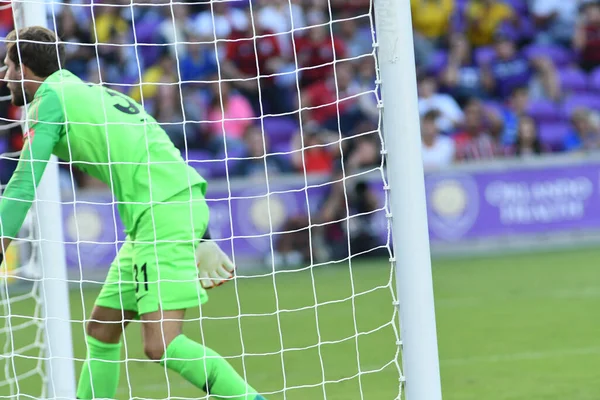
160 200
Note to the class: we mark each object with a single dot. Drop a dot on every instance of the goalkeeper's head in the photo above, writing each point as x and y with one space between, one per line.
32 54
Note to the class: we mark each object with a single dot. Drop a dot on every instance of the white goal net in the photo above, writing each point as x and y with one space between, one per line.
277 104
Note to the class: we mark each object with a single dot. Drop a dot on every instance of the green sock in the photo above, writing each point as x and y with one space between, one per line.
207 370
100 373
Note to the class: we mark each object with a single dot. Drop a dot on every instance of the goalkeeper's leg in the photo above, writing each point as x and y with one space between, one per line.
198 364
99 376
165 253
100 373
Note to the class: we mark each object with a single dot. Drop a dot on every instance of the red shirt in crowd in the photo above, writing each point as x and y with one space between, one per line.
243 52
479 147
313 53
323 96
591 52
6 17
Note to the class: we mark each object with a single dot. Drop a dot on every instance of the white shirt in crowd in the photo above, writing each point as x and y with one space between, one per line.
450 112
440 155
566 10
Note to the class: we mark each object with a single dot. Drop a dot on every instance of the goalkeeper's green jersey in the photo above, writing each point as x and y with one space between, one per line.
103 133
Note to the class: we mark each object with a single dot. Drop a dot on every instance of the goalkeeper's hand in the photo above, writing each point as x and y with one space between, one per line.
214 266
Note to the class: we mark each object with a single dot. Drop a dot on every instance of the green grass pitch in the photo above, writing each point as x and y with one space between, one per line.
514 327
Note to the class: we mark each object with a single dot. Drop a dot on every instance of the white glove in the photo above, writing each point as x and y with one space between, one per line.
214 266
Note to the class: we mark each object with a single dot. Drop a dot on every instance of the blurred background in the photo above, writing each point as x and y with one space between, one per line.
275 103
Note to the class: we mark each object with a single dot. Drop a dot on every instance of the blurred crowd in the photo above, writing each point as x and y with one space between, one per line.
217 75
261 88
512 78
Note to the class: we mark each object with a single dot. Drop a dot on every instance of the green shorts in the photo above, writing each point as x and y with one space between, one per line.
156 266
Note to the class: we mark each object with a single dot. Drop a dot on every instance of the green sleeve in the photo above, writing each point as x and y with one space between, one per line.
46 122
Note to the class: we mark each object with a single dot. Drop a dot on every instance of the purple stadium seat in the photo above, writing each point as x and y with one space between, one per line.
572 79
284 148
591 101
280 129
527 28
520 6
553 134
281 148
196 155
484 55
508 31
594 80
199 160
544 111
438 62
560 56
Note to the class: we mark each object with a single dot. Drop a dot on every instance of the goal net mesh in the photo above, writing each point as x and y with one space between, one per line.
277 104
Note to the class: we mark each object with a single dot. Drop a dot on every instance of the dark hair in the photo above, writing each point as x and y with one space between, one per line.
519 90
431 115
37 48
537 143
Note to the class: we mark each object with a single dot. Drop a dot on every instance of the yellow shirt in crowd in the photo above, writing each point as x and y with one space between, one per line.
431 18
484 20
150 83
105 24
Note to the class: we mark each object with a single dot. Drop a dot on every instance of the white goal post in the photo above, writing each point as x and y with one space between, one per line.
411 312
407 201
53 288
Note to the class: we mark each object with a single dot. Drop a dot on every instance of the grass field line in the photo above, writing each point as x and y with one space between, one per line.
529 355
537 355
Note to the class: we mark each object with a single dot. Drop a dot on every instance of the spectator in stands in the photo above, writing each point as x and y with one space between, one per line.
200 59
555 20
358 41
450 114
256 161
317 152
586 39
6 18
528 142
355 6
229 114
365 77
431 23
474 142
344 200
485 17
173 27
438 150
510 70
362 149
119 61
431 18
317 49
248 58
462 75
506 120
78 49
108 22
280 17
163 72
227 20
176 116
585 135
324 99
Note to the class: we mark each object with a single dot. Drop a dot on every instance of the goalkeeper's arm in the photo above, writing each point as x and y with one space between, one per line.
214 266
39 143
